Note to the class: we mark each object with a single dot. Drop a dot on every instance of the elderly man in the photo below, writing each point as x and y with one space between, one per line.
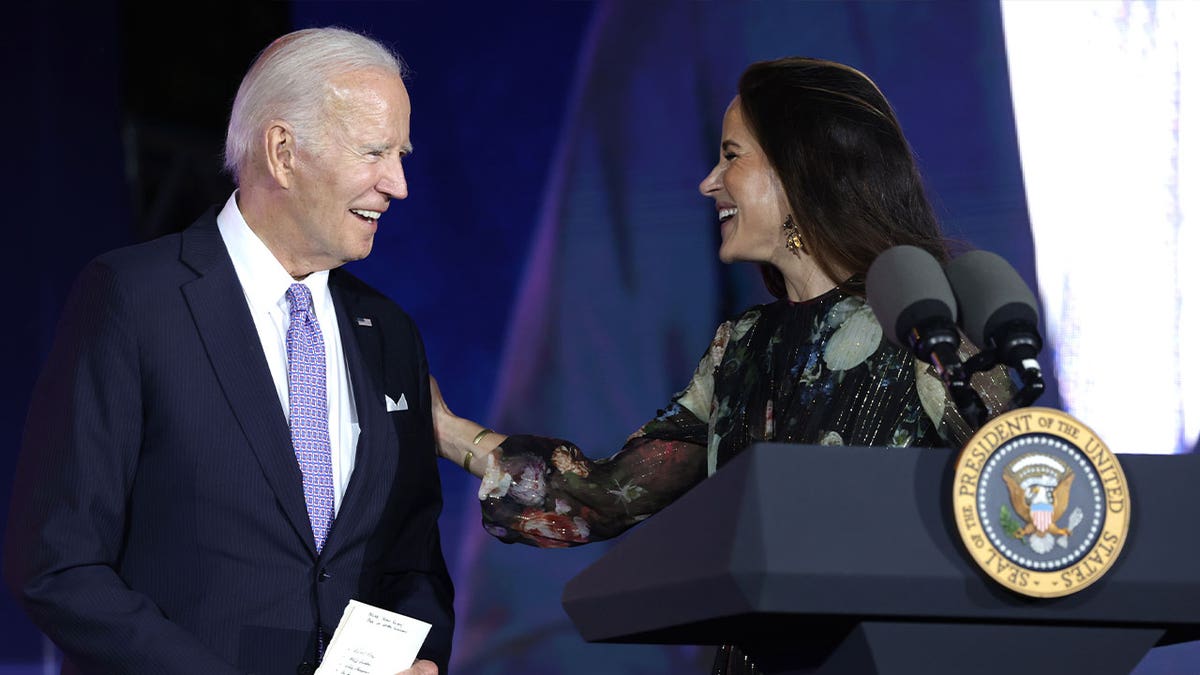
232 437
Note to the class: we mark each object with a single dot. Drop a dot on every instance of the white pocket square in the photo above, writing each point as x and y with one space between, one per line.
393 406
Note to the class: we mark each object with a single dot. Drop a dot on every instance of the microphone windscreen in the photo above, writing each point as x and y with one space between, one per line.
906 287
990 294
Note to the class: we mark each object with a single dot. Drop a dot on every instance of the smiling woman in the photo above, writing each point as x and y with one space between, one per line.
813 181
751 203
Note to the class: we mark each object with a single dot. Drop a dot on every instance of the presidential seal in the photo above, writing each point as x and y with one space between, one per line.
1041 503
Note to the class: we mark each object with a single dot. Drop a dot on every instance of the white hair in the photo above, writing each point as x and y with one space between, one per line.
290 81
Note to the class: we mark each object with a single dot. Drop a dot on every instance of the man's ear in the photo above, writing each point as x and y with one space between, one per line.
280 152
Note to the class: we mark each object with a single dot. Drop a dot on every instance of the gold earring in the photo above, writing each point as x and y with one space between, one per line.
792 236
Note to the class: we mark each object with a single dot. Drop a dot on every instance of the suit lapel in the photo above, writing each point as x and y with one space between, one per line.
363 349
223 320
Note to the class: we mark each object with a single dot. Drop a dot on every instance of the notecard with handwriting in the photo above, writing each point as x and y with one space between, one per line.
372 641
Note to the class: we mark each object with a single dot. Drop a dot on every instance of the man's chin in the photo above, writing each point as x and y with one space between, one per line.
359 252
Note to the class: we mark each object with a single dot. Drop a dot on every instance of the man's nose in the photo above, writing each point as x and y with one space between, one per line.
393 182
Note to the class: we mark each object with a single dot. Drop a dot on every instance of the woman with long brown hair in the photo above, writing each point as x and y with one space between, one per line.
814 180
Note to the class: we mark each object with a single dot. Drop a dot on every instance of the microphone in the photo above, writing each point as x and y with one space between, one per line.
911 296
999 313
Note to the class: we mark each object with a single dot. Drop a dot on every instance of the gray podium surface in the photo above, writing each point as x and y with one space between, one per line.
846 560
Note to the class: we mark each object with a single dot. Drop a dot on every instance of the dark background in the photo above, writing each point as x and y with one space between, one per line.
553 250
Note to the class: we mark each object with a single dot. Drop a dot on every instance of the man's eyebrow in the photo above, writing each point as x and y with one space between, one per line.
405 149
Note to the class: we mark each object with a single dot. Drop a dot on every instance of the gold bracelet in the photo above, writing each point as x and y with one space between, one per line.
479 436
467 461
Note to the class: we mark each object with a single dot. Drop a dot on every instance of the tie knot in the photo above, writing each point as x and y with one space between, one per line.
299 298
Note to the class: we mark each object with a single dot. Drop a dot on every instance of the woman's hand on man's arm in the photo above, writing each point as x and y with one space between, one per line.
460 440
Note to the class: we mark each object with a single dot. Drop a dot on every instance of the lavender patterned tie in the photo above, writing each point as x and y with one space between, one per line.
308 409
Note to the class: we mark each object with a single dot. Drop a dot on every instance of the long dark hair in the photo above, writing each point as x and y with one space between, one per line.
848 173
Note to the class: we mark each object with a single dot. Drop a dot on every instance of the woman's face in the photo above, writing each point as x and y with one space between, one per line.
751 205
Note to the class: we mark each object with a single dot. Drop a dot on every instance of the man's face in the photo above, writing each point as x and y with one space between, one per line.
345 179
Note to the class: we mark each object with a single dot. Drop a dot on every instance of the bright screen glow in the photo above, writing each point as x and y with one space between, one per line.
1107 102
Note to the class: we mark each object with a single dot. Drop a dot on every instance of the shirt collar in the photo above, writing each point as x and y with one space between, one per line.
264 280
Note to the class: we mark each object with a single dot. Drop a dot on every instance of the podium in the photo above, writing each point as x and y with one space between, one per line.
846 560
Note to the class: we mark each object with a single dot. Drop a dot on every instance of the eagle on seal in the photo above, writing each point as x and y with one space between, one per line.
1040 490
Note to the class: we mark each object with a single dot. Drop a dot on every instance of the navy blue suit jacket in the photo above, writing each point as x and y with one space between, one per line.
158 522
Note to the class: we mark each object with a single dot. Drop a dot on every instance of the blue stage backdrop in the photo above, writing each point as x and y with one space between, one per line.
554 249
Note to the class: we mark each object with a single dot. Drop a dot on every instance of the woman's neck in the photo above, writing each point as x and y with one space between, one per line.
803 279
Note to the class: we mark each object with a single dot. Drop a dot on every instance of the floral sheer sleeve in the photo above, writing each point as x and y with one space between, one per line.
546 492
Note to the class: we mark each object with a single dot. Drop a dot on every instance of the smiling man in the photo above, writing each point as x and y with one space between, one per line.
218 456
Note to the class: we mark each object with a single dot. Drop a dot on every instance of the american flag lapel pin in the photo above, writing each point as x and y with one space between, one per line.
363 321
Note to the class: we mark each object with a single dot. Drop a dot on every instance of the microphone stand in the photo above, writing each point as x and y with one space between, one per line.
1032 383
938 345
1016 345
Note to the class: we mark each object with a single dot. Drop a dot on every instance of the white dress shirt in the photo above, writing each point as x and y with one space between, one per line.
265 283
